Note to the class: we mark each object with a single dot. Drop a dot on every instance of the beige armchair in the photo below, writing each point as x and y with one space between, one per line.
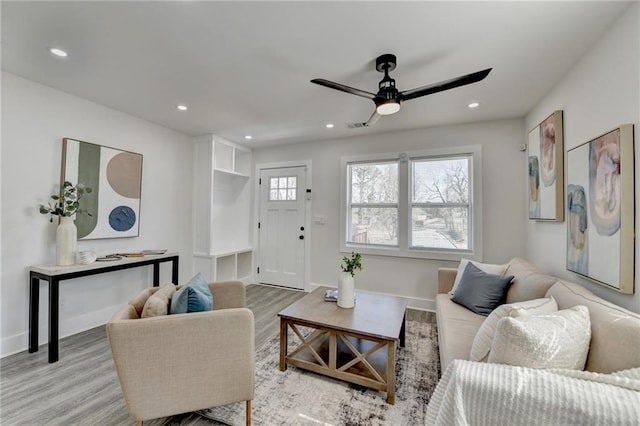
176 364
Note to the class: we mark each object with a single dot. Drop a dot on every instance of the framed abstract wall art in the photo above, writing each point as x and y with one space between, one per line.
115 177
546 170
601 209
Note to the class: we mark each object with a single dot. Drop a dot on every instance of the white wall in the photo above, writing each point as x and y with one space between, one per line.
503 201
601 92
35 118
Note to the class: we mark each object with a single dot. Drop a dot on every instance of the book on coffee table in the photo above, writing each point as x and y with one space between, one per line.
331 295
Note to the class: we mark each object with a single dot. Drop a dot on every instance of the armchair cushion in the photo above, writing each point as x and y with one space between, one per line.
137 302
158 303
195 296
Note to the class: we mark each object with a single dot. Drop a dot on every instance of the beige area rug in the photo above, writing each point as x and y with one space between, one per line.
299 397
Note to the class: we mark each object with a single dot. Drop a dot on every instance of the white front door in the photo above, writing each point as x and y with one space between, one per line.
281 227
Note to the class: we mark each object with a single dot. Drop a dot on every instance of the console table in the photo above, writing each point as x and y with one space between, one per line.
54 274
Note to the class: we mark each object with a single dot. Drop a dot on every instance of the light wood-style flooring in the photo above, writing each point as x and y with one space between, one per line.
82 387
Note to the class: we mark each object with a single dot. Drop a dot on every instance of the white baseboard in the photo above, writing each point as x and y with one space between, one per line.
14 344
68 327
413 302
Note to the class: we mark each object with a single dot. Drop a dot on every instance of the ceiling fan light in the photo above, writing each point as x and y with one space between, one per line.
388 107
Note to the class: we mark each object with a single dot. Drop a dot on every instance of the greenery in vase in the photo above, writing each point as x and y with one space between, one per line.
67 203
352 264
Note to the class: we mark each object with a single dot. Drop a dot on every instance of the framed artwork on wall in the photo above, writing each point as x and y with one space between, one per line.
115 177
546 170
601 209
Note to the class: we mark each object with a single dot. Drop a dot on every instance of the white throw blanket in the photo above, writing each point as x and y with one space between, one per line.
472 393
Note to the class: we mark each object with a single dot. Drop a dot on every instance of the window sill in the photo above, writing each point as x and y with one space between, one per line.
411 253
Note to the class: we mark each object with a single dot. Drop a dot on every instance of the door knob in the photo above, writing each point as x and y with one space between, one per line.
301 237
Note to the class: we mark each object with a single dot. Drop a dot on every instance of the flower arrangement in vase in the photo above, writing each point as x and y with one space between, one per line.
67 202
346 286
65 205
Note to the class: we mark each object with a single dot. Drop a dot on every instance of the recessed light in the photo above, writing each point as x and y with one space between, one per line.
182 107
329 126
474 105
58 52
248 137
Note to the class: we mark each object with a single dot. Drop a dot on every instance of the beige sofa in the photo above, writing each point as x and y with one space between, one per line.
173 364
615 332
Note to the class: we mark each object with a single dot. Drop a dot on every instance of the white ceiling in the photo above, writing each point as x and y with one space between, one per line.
244 67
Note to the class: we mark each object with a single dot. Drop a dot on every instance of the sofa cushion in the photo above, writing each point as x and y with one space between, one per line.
615 331
481 292
484 338
557 340
195 296
158 303
528 282
457 326
485 267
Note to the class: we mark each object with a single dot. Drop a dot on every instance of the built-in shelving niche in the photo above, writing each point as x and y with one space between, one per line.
222 229
231 159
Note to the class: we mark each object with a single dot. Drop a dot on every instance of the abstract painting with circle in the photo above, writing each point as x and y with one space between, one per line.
115 177
546 178
601 209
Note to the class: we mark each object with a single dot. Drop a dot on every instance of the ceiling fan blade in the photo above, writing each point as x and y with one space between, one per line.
373 119
445 85
370 122
343 88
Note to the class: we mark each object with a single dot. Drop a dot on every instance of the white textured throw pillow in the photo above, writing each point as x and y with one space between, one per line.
484 337
630 373
484 267
558 340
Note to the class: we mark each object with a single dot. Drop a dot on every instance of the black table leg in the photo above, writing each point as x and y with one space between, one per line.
174 270
34 308
402 330
156 274
54 318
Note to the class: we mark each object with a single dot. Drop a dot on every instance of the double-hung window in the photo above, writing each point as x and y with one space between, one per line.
424 204
440 203
373 203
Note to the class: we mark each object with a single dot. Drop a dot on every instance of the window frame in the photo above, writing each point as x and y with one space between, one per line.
287 188
403 248
349 205
436 205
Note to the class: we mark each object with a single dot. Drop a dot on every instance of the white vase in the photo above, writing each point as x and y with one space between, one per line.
66 239
346 291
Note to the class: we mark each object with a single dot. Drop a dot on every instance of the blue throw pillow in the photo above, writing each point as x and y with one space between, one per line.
195 296
481 292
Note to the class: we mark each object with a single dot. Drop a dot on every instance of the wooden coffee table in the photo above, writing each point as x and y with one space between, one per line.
357 345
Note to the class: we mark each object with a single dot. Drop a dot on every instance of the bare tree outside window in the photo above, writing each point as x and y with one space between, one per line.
440 203
373 203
